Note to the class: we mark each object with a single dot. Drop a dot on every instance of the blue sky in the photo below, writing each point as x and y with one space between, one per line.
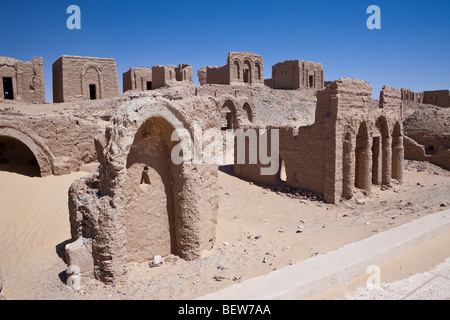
411 50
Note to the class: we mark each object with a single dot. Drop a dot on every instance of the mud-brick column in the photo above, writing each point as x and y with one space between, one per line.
386 170
108 244
188 228
348 167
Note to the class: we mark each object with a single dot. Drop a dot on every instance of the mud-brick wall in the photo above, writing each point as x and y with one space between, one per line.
60 143
76 73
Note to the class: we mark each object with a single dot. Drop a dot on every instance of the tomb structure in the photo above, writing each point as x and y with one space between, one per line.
22 80
84 78
137 79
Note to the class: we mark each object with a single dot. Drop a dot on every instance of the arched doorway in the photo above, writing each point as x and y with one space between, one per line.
397 153
363 159
16 156
148 193
247 72
385 155
248 111
237 70
348 173
258 71
228 115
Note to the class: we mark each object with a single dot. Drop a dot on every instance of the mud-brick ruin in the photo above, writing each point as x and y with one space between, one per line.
140 204
137 79
353 143
22 80
241 67
76 78
294 74
334 141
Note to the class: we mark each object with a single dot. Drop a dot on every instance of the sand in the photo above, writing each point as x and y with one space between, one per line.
258 231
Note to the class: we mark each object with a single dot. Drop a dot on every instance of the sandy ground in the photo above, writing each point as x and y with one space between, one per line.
258 231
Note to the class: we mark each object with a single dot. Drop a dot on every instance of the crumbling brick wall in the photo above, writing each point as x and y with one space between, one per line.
107 209
440 98
171 75
25 77
294 74
137 79
241 67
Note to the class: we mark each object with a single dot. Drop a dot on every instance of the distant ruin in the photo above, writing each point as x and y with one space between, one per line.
167 75
22 80
294 74
78 78
241 67
440 98
137 79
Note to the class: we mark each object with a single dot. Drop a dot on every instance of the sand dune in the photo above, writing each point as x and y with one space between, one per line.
34 218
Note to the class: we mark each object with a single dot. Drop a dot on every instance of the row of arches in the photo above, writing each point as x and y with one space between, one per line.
371 158
231 115
244 72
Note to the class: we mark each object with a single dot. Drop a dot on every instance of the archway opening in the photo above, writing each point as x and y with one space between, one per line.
258 71
15 156
247 72
376 160
248 111
148 193
228 116
237 70
382 126
362 159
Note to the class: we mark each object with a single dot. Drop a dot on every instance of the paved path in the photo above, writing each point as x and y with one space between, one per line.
420 273
433 284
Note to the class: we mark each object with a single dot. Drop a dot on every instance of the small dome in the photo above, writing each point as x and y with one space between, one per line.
8 60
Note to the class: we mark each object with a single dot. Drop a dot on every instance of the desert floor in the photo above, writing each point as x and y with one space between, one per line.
258 231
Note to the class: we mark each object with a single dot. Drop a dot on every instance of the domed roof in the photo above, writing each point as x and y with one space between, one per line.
8 60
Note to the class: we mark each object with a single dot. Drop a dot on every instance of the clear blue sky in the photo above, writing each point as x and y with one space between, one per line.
411 50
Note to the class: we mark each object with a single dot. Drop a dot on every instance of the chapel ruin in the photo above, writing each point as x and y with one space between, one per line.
76 78
241 67
22 80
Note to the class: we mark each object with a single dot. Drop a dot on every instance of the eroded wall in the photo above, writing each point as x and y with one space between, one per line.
294 74
137 79
26 78
140 203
